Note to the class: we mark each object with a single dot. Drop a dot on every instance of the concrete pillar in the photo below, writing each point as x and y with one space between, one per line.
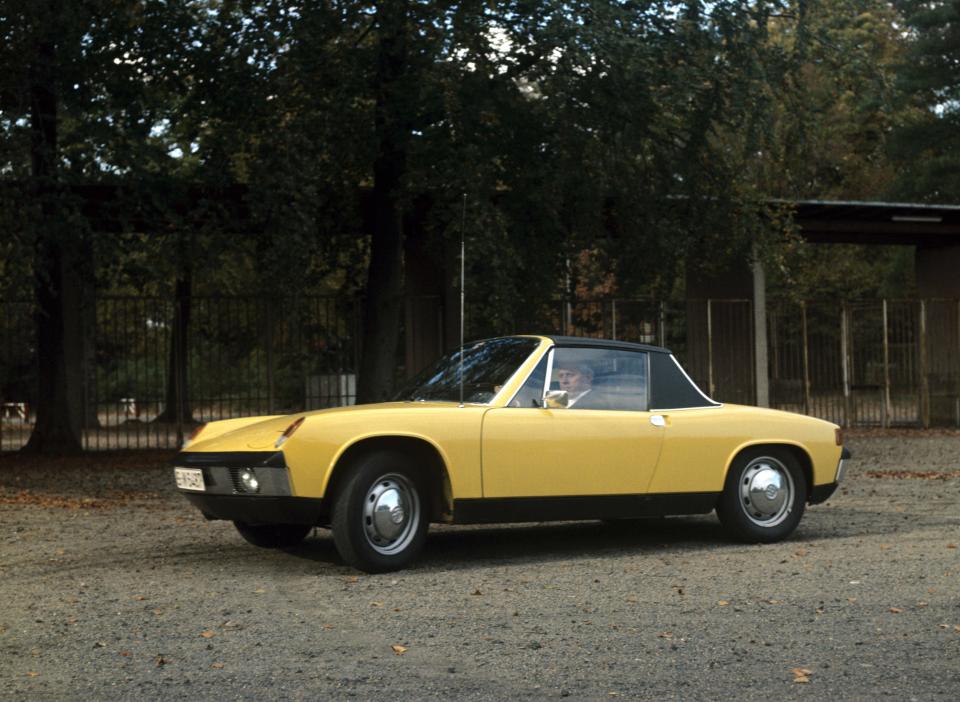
761 363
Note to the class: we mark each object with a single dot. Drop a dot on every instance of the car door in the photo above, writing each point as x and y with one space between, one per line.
605 443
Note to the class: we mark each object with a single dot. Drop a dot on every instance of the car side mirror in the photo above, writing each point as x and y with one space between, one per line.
556 399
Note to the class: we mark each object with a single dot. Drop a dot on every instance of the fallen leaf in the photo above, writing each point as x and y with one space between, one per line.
352 579
328 626
216 666
32 673
125 654
208 634
819 610
476 592
100 644
139 598
722 603
259 591
158 612
665 635
956 628
398 649
376 604
632 598
801 675
161 661
884 547
773 601
923 604
895 610
951 545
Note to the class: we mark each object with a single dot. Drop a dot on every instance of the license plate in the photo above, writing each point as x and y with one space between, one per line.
189 478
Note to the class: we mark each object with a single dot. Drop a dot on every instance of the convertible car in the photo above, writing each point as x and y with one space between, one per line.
512 429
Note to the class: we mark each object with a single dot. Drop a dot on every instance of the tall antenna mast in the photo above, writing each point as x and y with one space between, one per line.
463 282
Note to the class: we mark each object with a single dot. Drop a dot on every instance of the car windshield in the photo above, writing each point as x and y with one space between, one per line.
487 365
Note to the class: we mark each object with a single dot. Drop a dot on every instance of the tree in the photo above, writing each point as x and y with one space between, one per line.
926 147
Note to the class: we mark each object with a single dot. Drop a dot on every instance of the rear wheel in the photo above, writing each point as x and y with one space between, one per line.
764 496
380 514
273 535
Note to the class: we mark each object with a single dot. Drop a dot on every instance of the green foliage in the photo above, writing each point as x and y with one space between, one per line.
646 133
926 147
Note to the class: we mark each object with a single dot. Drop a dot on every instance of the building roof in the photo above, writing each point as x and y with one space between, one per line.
860 222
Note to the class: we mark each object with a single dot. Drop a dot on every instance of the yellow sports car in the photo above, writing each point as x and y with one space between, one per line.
519 428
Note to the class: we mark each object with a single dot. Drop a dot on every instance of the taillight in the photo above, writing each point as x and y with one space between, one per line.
839 436
288 432
194 434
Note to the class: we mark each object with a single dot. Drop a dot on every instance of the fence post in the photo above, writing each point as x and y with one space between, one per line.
710 383
886 366
924 374
271 401
806 359
761 360
845 361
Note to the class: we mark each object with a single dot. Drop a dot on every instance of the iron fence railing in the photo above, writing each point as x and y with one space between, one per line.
868 363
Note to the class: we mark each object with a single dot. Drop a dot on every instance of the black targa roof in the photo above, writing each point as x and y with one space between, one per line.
604 343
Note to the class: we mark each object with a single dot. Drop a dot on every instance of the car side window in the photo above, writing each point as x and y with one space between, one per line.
531 393
601 379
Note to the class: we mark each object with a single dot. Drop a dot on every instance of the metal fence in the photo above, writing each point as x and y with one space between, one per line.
244 356
878 363
872 363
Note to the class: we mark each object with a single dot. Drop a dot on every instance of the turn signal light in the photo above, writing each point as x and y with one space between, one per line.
288 432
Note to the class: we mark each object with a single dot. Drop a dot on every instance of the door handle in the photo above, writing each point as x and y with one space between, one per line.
658 420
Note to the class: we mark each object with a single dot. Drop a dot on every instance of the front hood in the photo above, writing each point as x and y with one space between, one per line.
261 434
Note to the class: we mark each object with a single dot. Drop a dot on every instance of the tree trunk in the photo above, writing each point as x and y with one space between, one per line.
57 429
176 408
383 302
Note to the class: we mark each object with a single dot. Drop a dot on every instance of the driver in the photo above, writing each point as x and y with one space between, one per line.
576 379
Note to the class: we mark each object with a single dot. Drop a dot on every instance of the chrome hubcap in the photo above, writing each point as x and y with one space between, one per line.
766 491
391 513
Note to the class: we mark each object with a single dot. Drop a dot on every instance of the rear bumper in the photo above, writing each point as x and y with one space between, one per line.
822 493
261 509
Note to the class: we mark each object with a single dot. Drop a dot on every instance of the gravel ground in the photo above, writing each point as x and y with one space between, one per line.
113 587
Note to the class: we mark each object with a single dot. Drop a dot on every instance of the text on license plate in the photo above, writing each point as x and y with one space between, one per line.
189 478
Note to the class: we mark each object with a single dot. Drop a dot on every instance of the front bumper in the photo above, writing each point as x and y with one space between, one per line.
261 509
225 496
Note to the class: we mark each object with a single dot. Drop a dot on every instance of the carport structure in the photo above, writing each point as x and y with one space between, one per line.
932 321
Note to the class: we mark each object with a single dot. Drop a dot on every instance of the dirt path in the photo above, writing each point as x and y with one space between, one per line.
113 587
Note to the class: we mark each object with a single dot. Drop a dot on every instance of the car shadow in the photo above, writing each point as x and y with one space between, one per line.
482 546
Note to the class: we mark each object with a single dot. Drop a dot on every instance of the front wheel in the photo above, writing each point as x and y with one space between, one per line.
273 535
379 514
764 496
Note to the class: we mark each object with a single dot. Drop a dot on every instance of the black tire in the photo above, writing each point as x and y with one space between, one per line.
380 489
755 514
273 535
